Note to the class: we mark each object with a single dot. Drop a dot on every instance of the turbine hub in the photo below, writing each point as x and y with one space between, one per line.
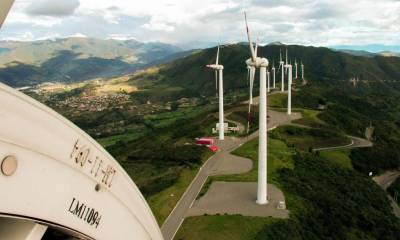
259 62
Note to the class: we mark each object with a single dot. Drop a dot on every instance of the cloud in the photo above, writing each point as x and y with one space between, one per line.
52 8
311 22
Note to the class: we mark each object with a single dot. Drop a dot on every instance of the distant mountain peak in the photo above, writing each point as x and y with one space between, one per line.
277 43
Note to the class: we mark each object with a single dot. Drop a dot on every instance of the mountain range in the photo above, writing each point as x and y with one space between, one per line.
76 59
322 65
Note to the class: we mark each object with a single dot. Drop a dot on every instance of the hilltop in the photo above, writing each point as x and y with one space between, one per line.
322 65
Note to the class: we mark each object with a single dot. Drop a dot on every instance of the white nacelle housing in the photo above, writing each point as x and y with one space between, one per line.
54 173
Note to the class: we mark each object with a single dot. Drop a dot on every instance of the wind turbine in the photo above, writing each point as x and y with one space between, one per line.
288 66
273 74
286 63
295 64
302 71
262 64
219 77
281 64
251 74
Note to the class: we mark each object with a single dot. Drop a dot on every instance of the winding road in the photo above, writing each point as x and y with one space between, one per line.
210 167
356 142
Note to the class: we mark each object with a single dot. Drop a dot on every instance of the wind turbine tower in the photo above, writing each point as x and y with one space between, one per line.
287 57
281 64
262 64
273 75
295 64
219 77
302 71
289 108
289 68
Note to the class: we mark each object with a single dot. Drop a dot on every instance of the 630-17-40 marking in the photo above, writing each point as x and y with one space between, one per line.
81 155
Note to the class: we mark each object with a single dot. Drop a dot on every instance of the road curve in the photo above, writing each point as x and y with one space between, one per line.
176 217
356 142
384 181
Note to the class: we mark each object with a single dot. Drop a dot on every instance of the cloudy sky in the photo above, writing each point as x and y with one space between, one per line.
307 22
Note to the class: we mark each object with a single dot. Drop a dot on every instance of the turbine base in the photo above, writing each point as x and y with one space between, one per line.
262 202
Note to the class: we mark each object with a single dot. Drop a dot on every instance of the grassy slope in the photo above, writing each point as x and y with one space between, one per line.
109 141
222 227
305 139
339 157
163 202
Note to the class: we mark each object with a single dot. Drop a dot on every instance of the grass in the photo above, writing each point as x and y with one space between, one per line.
163 202
109 141
278 100
222 227
165 119
339 157
310 118
279 156
305 139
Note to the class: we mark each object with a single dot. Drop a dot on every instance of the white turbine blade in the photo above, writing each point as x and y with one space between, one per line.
252 74
280 55
256 49
216 81
253 55
248 77
251 78
5 6
286 56
216 62
248 118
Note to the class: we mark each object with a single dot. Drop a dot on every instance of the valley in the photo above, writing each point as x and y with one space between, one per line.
149 119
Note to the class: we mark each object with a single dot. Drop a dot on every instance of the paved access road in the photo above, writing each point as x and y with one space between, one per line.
175 219
356 142
384 181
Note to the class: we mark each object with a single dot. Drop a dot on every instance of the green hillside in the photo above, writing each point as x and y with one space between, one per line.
326 193
322 65
77 59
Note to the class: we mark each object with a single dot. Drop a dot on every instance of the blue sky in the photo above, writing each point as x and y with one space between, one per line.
364 23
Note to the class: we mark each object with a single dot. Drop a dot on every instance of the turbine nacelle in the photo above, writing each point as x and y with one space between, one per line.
259 62
215 67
